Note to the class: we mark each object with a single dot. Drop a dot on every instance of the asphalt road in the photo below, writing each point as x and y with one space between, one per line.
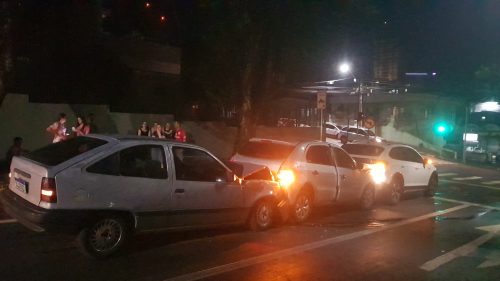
448 237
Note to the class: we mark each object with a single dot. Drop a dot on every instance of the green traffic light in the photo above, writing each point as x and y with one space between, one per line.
442 128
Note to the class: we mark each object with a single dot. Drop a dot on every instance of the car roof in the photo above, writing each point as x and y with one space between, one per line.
301 143
133 138
354 127
381 144
272 141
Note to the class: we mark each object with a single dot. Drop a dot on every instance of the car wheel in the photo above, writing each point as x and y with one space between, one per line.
432 186
103 237
261 217
303 207
343 139
367 198
395 191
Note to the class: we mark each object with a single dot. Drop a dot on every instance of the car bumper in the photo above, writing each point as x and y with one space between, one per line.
36 218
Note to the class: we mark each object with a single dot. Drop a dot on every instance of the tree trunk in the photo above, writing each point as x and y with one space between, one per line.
247 126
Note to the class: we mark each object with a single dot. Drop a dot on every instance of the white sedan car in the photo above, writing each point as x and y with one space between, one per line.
405 169
313 173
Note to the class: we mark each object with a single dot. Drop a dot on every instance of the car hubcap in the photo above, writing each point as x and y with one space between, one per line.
396 192
264 215
105 235
302 207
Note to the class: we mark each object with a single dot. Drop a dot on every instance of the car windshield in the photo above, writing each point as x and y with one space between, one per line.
266 150
363 149
56 153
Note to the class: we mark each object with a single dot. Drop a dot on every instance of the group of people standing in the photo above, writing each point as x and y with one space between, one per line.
167 132
83 126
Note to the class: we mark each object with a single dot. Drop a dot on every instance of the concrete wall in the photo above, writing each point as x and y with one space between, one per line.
19 117
389 132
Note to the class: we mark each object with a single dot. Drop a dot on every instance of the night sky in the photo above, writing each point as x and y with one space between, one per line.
450 37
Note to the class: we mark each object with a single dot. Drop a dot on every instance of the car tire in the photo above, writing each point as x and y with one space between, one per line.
395 191
104 237
262 216
302 208
367 200
343 139
431 186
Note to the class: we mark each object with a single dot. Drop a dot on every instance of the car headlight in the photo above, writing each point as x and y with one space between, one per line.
377 172
286 178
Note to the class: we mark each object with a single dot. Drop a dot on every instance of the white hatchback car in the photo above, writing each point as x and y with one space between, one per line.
105 188
313 173
405 169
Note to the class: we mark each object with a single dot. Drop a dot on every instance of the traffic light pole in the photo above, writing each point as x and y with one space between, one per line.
464 152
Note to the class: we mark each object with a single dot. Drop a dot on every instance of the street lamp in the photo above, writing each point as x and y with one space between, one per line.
345 68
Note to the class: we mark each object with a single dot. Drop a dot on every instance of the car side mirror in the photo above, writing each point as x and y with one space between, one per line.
230 176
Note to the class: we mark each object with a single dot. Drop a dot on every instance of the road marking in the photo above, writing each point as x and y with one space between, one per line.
491 182
472 184
302 248
468 203
447 174
492 259
467 178
7 221
458 252
463 250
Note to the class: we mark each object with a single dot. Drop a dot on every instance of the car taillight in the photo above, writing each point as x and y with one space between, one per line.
48 190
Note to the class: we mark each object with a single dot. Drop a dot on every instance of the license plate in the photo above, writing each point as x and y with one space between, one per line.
21 185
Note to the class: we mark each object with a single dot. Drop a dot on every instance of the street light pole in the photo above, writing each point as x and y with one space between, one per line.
346 68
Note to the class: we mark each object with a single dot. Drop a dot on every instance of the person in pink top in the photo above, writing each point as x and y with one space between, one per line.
81 128
180 134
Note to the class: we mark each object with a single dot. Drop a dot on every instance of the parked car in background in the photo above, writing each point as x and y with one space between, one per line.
313 173
476 154
405 169
332 130
104 189
350 134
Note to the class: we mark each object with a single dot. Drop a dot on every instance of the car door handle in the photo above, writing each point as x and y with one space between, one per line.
179 190
315 173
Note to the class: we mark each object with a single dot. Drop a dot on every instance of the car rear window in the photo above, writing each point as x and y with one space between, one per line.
266 150
363 149
56 153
